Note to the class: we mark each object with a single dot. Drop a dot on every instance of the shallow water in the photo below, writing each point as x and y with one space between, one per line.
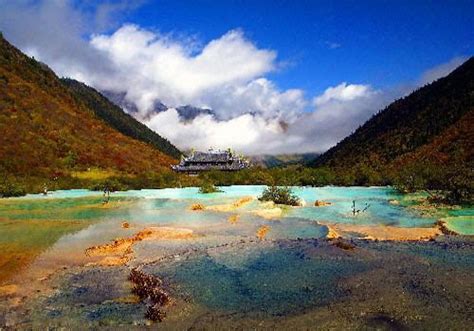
222 269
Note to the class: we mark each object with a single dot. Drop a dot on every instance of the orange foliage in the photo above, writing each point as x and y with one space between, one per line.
45 130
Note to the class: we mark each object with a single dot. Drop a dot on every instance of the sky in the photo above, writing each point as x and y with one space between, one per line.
281 76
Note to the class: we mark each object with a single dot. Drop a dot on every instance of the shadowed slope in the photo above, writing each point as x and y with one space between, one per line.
415 124
117 118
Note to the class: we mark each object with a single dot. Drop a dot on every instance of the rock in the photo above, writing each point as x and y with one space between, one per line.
125 225
149 287
343 244
394 202
154 313
262 231
233 219
197 206
320 203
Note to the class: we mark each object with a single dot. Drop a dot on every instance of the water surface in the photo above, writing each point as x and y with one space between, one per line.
224 270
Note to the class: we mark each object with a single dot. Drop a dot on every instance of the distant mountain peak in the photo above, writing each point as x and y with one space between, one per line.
186 113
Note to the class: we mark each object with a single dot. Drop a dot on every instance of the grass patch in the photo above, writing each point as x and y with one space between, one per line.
94 174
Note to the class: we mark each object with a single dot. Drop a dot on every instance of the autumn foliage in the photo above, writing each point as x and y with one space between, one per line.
47 133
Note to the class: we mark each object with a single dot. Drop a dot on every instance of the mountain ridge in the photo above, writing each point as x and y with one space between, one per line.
422 141
48 133
410 122
186 112
114 116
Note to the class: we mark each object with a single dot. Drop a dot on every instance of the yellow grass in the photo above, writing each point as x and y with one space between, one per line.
94 173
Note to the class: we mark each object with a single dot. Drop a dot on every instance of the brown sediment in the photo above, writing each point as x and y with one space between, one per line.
380 232
269 213
233 219
321 203
343 244
426 207
197 206
444 229
241 202
231 206
125 299
268 210
332 234
262 232
120 250
17 255
149 287
8 290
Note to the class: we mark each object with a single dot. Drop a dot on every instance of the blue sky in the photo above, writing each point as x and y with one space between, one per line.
279 76
325 42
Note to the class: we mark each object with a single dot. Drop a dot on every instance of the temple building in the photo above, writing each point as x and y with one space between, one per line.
211 160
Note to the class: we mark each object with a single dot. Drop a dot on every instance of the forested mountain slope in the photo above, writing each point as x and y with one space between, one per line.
412 122
47 131
423 141
114 116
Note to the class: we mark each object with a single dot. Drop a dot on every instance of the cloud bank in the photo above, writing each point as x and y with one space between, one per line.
228 75
338 111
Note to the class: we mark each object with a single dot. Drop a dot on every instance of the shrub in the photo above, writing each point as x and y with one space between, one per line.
280 195
112 185
11 189
208 187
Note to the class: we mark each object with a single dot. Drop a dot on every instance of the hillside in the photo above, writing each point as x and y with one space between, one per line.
282 160
431 129
186 113
117 118
48 132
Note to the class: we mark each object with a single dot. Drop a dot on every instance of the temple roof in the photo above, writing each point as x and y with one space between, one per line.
212 160
210 157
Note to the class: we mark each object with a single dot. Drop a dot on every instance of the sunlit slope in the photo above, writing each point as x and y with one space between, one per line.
46 131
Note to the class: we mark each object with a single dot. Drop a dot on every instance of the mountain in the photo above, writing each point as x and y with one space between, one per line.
432 129
188 112
117 118
282 160
49 131
119 99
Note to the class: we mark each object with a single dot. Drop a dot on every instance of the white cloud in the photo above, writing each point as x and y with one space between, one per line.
248 133
338 112
332 44
441 70
342 93
259 96
333 118
152 66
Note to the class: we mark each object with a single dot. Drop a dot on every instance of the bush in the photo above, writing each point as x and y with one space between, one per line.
280 195
11 189
112 185
208 187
